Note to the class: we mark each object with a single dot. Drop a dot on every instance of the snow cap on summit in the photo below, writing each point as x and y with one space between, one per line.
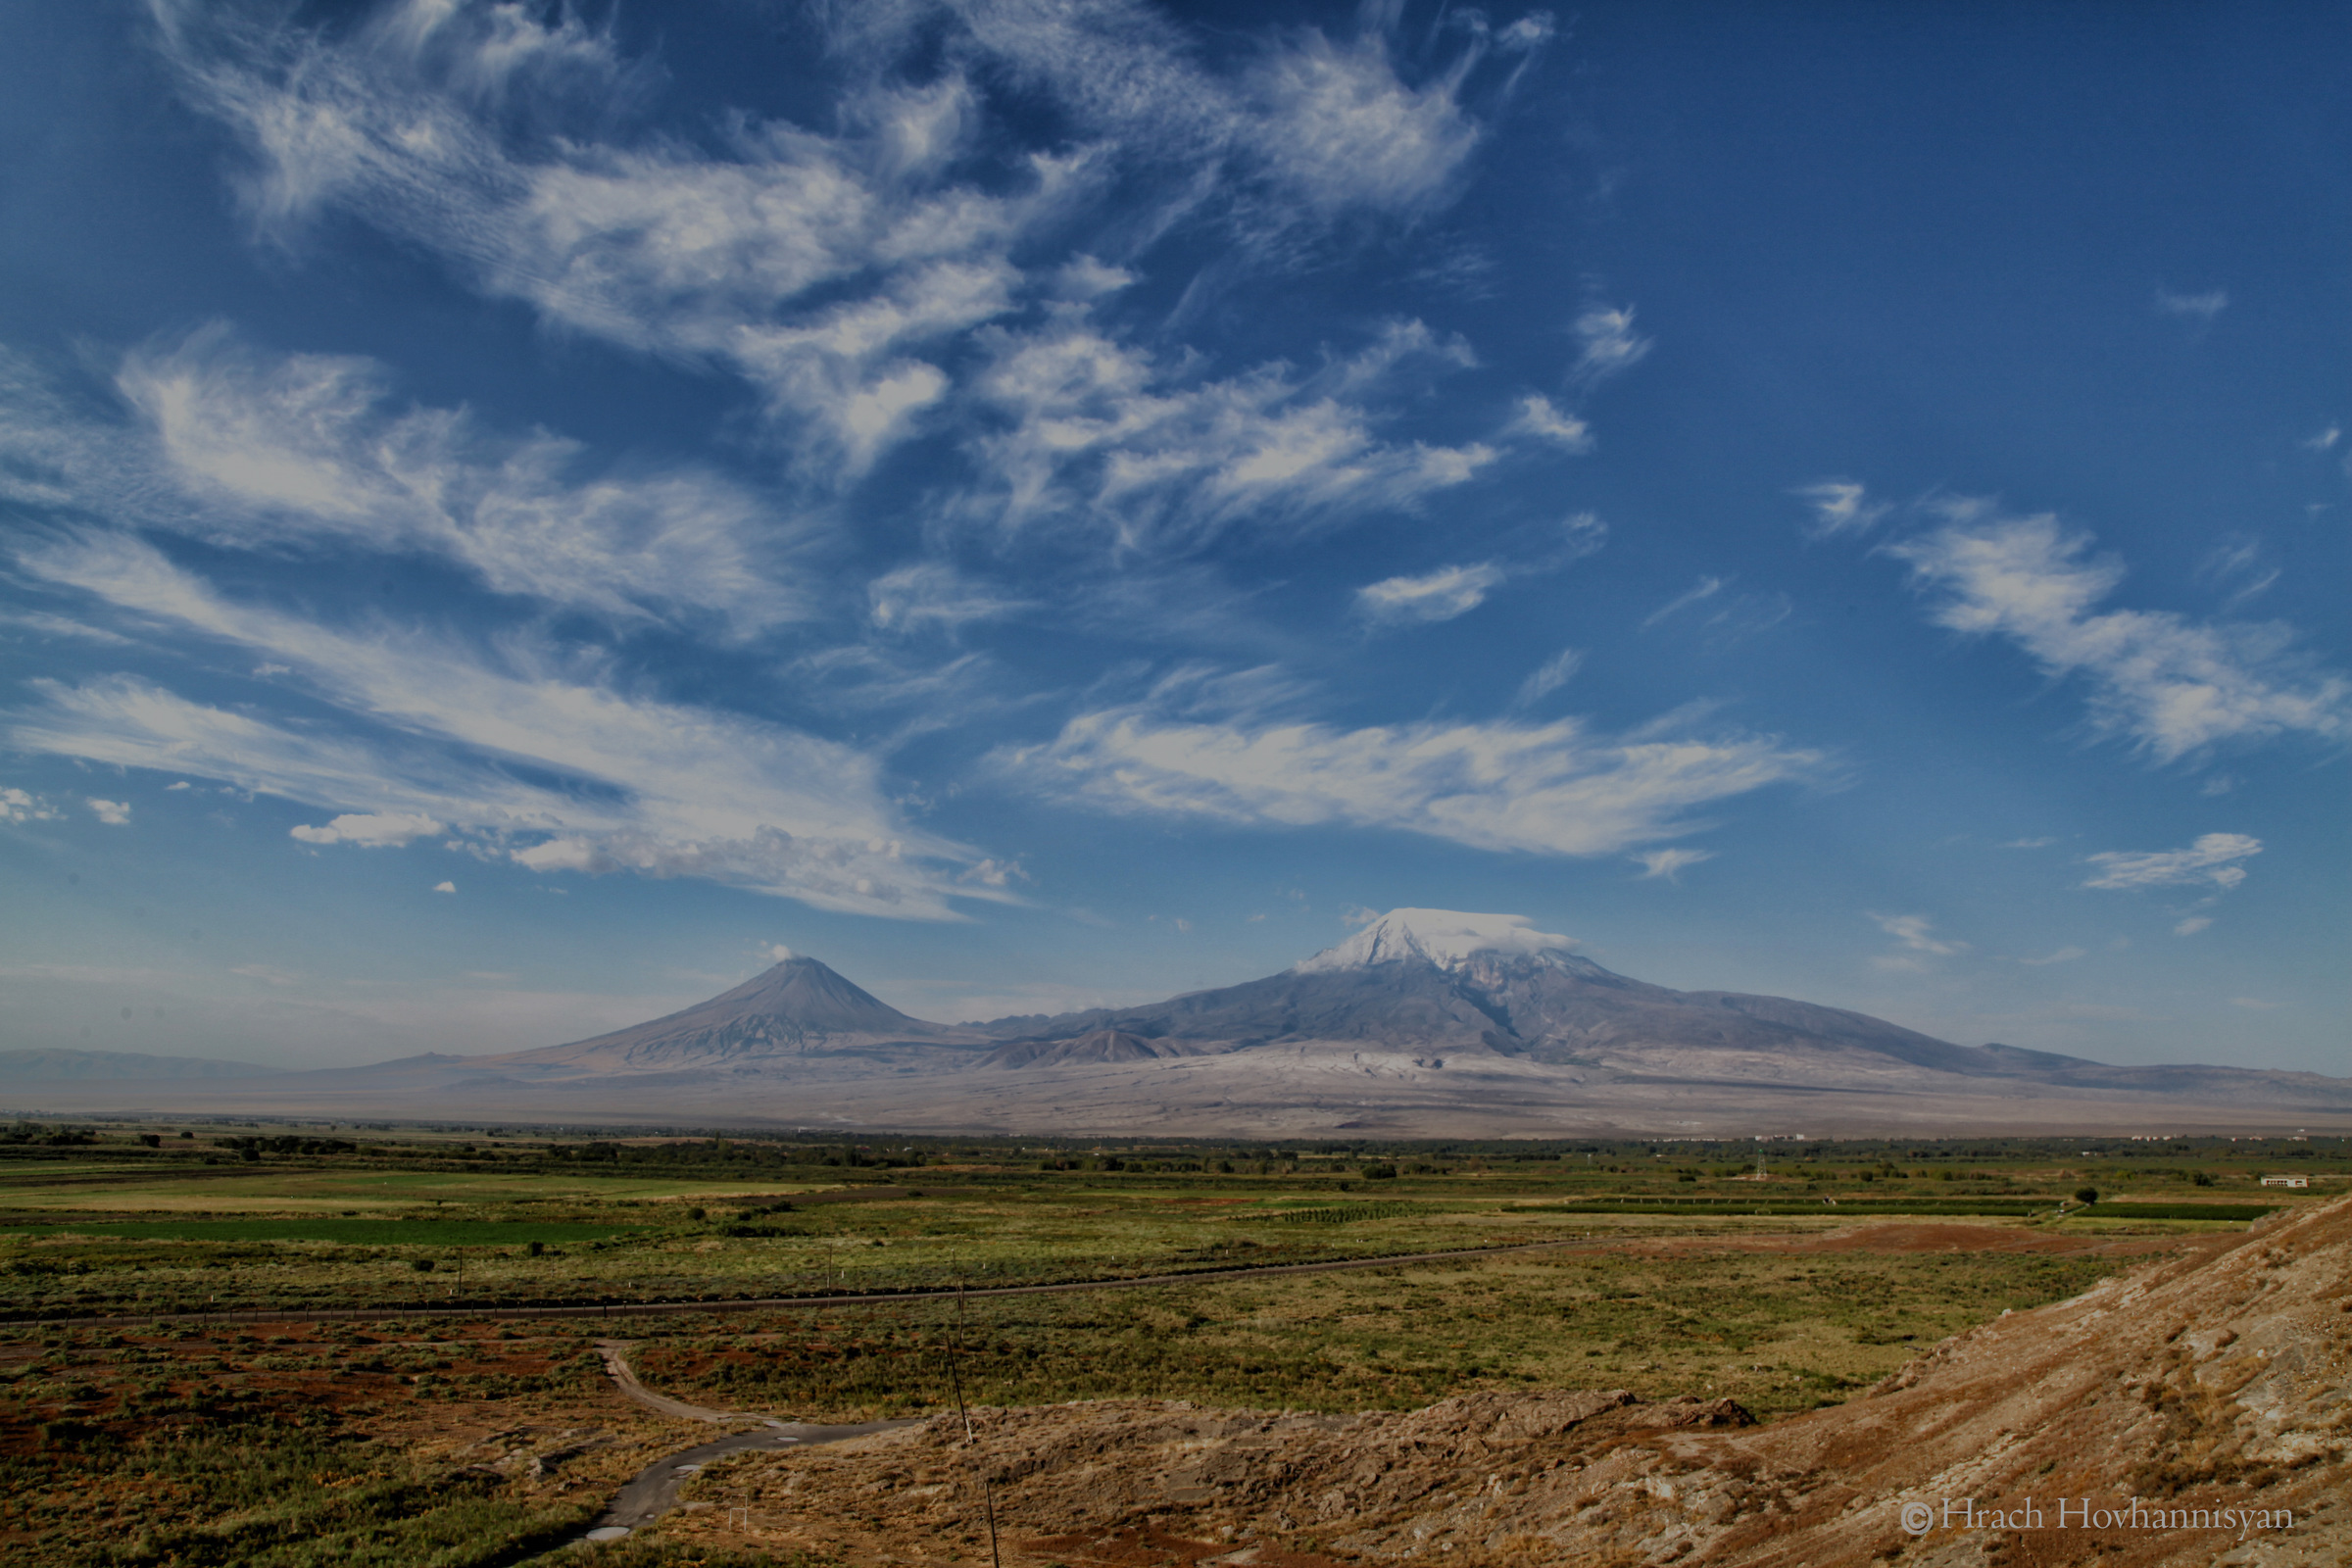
1442 937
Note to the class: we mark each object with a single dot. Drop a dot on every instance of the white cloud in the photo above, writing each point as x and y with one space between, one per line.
2190 925
267 974
639 784
2030 844
1439 595
1098 435
2061 955
114 814
1916 932
1668 865
41 624
2174 686
309 451
18 805
451 887
1457 590
1705 589
1549 677
2211 861
1607 344
933 595
2237 562
2198 308
832 272
776 952
1551 788
2255 1003
1341 130
383 830
1538 418
2326 440
1840 507
656 246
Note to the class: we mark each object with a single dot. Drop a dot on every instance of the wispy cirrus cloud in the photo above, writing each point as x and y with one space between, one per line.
2238 563
1607 345
2172 686
311 454
1840 507
1668 865
1917 935
433 729
2200 307
1433 596
1095 436
2214 860
1553 788
1724 618
834 274
1538 418
1547 677
1419 599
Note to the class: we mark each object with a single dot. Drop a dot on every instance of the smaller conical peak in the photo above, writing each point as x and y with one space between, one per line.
1446 938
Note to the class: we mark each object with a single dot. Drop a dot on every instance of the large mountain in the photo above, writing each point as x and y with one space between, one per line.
1442 985
1425 1023
795 1011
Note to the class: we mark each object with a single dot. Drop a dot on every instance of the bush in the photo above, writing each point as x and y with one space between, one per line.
422 1266
2087 1195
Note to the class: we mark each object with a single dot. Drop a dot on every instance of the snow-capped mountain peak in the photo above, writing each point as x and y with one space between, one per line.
1445 938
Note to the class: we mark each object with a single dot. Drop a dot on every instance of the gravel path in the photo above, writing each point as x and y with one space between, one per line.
653 1491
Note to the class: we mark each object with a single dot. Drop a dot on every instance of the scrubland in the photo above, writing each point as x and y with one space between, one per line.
403 1420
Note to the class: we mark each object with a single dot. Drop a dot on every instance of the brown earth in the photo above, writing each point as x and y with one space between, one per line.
2216 1379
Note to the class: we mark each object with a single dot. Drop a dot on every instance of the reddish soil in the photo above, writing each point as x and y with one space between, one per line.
2219 1379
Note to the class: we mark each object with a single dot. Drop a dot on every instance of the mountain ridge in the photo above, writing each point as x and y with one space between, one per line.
1427 1023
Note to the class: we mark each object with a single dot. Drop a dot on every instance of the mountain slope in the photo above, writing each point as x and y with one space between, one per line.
798 1009
1434 979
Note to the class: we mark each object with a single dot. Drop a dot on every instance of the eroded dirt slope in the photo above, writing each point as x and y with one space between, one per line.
2215 1381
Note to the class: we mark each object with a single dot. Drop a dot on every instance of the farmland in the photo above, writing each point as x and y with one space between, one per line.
405 1417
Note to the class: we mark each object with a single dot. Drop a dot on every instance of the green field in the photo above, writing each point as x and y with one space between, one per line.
346 1232
391 1439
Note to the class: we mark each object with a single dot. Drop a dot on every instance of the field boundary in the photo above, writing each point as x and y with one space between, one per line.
773 1303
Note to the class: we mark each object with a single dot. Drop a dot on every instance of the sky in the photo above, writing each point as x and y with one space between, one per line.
515 516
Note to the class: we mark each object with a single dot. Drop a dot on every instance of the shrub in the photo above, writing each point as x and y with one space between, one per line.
2087 1194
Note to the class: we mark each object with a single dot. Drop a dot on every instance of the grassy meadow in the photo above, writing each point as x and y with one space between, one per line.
461 1439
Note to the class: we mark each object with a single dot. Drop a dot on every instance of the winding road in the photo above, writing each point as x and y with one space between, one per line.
653 1491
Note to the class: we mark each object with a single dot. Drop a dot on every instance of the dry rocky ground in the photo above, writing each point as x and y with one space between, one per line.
2212 1380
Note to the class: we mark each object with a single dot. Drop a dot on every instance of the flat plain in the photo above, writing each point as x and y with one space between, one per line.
403 1403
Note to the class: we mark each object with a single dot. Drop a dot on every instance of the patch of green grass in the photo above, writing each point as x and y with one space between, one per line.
350 1232
1779 1333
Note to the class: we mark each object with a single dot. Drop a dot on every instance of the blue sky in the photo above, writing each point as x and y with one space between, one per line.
512 515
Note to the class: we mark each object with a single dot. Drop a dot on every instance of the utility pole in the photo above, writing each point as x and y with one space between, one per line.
987 1494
